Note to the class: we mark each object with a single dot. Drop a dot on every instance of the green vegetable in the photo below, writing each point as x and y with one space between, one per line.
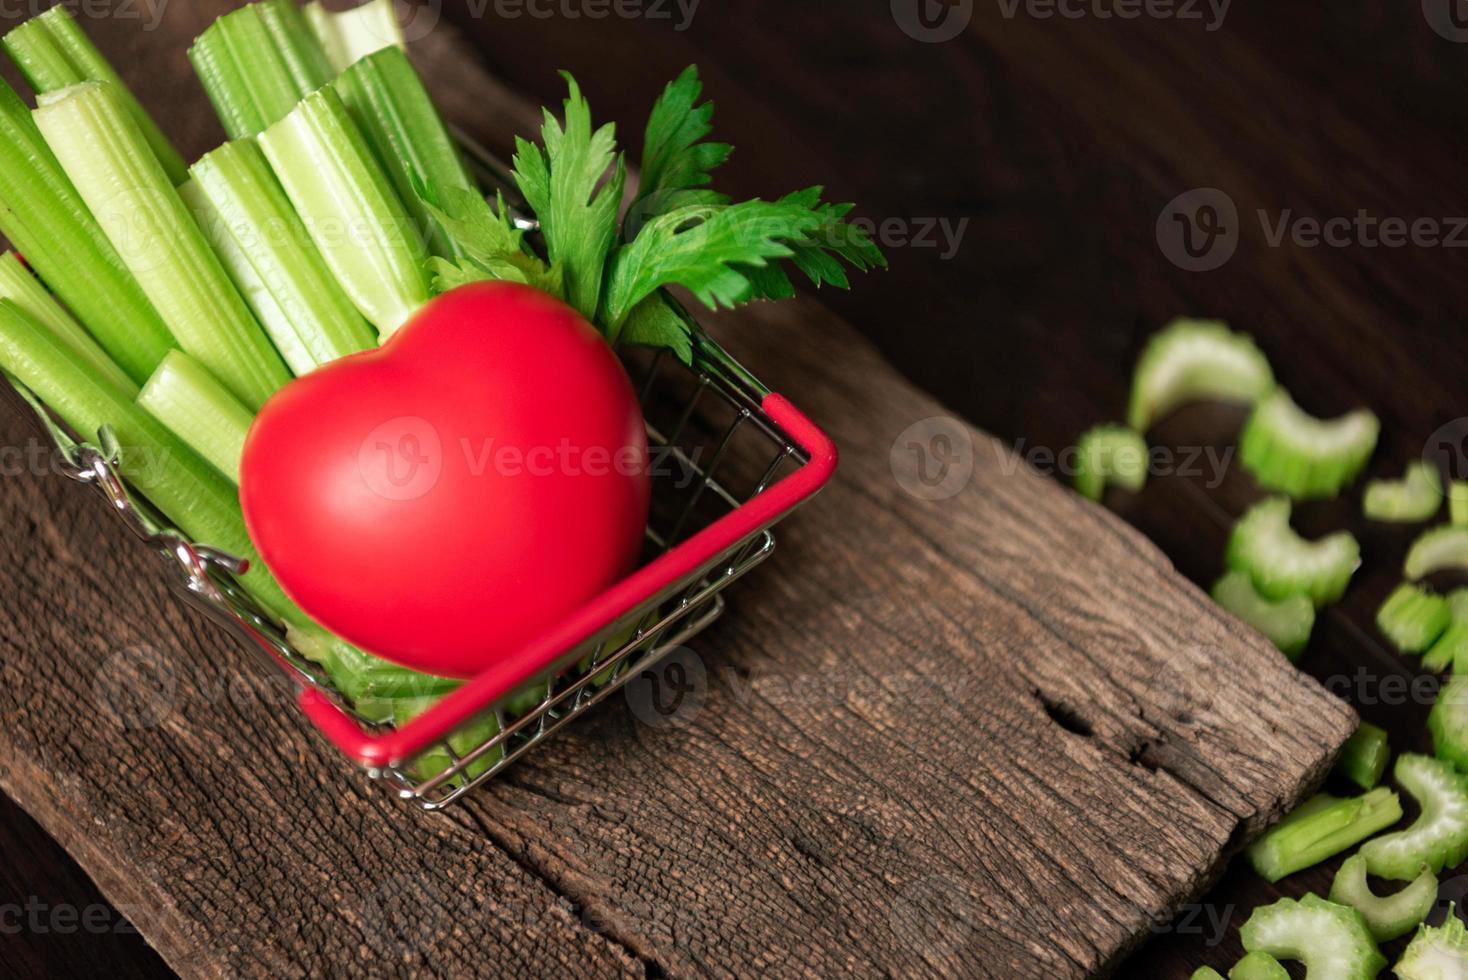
1190 360
45 218
246 215
1448 722
1436 953
1458 502
354 34
1291 452
1258 965
1206 973
350 209
1364 757
53 53
1451 649
20 287
1436 550
199 410
257 63
1439 836
1417 496
394 111
1110 453
1282 564
1320 828
105 154
364 679
1412 618
1286 623
677 165
464 740
1387 916
1332 940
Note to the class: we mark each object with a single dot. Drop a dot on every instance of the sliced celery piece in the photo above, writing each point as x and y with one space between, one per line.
1450 650
1332 940
464 740
257 63
1190 360
387 100
1282 564
104 153
1206 973
1439 836
1387 916
1436 550
1258 965
1448 722
184 396
53 52
270 255
1417 496
350 208
1413 618
1458 502
1286 623
350 35
1110 454
1436 953
47 221
1365 755
19 286
1308 458
363 678
1320 828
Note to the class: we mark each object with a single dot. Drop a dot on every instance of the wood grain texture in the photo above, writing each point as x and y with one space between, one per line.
993 734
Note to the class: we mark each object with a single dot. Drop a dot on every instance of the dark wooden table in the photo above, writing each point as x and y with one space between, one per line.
1019 170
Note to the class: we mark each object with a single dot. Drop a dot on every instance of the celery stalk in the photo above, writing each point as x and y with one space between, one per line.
1322 827
268 251
53 52
349 207
184 396
350 35
47 221
19 286
257 63
107 158
388 101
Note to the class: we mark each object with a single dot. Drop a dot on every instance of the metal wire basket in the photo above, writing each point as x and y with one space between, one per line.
730 459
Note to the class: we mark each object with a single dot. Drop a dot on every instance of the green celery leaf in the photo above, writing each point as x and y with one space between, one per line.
674 160
653 323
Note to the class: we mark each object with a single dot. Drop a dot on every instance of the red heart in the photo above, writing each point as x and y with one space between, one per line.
442 500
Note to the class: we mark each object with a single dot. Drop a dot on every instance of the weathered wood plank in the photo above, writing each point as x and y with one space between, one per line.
989 734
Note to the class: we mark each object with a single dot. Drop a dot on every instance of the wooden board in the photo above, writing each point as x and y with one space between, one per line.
991 733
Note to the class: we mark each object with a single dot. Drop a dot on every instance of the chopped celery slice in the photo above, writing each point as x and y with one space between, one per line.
1320 828
270 255
363 678
1412 618
1258 965
1365 755
1291 452
1387 916
1437 549
123 184
1436 953
184 396
1417 496
20 287
350 35
1286 623
1451 649
53 52
1190 360
1448 722
257 63
45 218
1439 836
1282 564
1206 973
387 99
350 208
1458 502
1332 940
1110 453
463 741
